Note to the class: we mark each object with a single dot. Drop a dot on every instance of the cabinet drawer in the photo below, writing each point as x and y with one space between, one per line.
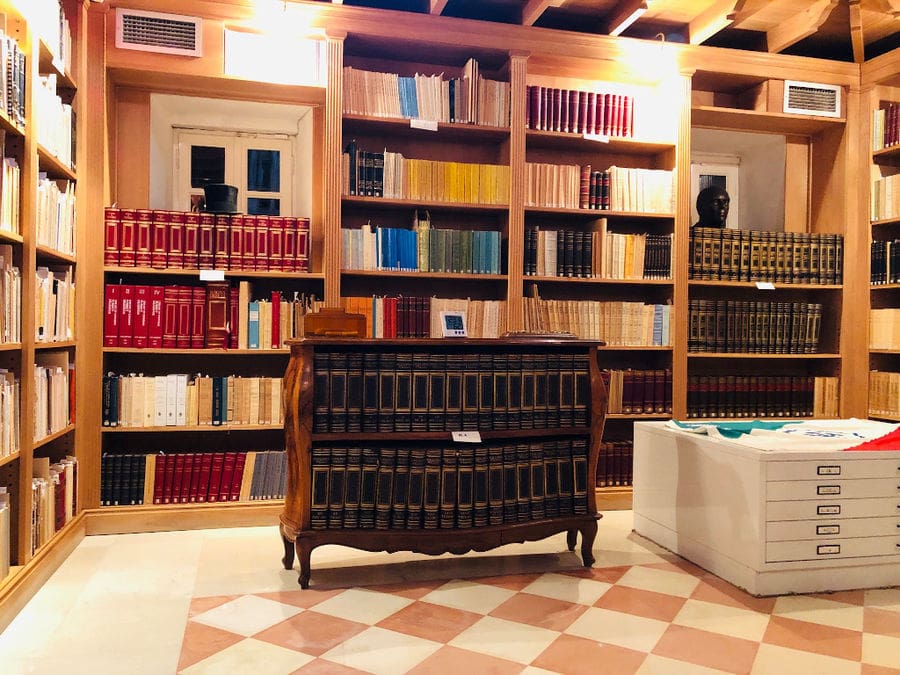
835 527
828 549
823 469
822 508
778 490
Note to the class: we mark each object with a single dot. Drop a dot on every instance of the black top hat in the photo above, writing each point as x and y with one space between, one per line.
220 198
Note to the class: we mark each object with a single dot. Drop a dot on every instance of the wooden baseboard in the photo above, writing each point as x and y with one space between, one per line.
132 519
614 499
21 585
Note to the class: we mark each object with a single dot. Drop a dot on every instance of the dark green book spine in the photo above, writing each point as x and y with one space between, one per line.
416 492
403 395
485 392
437 392
432 499
352 487
540 392
401 490
551 479
387 364
538 486
470 393
449 487
510 484
337 364
580 472
566 393
480 487
321 393
495 485
420 392
500 418
370 392
465 492
582 390
354 391
384 490
566 477
526 412
523 483
336 488
454 395
554 375
514 391
368 488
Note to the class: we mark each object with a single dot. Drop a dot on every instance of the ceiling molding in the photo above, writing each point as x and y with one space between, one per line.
716 18
799 26
533 9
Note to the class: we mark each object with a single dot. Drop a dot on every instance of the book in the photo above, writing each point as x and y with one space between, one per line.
368 487
384 490
337 472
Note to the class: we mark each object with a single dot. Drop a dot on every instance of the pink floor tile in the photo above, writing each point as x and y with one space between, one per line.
430 621
714 589
449 659
311 633
812 637
536 610
639 602
300 598
881 621
710 650
578 656
323 667
200 605
608 574
201 641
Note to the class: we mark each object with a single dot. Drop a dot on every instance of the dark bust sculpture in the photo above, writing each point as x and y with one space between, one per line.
712 207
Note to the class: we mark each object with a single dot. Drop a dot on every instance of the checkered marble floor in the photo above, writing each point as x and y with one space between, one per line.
659 614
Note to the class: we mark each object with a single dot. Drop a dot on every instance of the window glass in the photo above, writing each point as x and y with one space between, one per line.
263 170
207 165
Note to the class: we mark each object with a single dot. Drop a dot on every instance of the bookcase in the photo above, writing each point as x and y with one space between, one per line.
41 336
440 446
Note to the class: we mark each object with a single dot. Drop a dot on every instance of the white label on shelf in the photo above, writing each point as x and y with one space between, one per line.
212 275
427 125
828 549
829 510
828 470
828 529
466 436
600 138
765 285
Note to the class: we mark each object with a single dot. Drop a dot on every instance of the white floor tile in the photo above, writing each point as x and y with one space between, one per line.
660 665
774 660
505 639
381 651
724 619
250 656
470 596
617 628
362 606
567 588
659 581
247 615
881 650
819 610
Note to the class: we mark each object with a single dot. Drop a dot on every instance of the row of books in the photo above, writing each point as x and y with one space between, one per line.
54 393
12 71
187 240
179 399
579 112
597 254
728 396
637 392
54 497
886 127
615 464
191 477
469 98
55 218
54 121
751 327
10 411
412 316
617 323
754 255
884 328
10 297
423 249
10 195
614 188
884 394
54 302
457 390
885 198
884 262
215 315
441 487
393 176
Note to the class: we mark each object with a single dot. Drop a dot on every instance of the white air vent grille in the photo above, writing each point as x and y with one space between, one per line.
155 32
809 98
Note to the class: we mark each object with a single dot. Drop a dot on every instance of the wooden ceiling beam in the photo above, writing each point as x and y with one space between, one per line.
745 9
856 32
799 26
716 18
891 7
436 6
625 14
533 9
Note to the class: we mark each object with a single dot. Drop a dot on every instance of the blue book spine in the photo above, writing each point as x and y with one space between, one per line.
657 325
253 325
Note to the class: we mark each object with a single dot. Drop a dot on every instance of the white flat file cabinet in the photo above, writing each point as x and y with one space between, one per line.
770 522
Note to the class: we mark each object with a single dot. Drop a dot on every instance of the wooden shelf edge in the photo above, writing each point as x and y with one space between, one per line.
172 350
151 518
229 273
19 587
598 280
614 498
419 274
194 427
52 437
779 285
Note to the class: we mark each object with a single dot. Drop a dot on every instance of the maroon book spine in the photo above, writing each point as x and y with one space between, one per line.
127 227
142 231
111 228
198 316
159 239
176 239
236 243
184 295
191 241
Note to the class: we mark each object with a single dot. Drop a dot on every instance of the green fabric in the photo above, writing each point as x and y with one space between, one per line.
734 429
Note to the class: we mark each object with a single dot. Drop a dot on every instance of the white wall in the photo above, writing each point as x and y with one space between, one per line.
762 162
167 111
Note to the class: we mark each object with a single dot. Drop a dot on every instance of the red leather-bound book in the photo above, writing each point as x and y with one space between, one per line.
627 116
303 245
236 243
601 119
127 233
249 243
156 318
170 317
206 245
184 486
217 314
169 478
198 317
240 462
141 316
584 187
159 478
159 239
535 105
111 235
590 126
196 473
111 315
573 111
609 106
215 476
126 315
142 234
289 244
276 319
227 478
564 95
221 241
618 115
262 242
205 471
191 240
556 109
234 294
183 319
175 254
276 243
582 112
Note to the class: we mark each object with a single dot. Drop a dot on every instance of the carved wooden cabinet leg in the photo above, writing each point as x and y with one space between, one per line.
588 534
571 538
288 559
304 551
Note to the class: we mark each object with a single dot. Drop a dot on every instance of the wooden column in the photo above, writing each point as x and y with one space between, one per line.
518 63
332 179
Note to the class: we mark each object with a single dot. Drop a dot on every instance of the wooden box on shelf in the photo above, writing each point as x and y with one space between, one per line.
438 446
